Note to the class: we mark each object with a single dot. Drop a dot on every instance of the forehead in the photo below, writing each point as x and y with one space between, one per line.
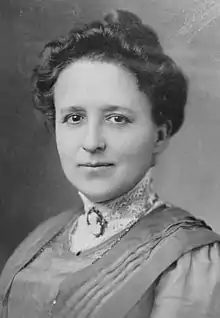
95 82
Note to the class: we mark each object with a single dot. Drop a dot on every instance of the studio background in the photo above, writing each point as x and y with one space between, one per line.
32 185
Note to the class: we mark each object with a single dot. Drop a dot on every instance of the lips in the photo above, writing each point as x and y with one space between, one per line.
96 164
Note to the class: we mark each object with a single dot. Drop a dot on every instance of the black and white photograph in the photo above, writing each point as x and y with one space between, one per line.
109 159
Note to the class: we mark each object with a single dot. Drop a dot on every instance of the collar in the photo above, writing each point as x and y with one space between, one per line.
128 205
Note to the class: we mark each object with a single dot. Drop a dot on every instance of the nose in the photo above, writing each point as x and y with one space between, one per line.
94 140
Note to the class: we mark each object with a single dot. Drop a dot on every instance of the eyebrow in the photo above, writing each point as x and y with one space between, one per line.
105 108
71 109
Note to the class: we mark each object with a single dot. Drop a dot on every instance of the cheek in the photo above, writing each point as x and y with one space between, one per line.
139 146
66 144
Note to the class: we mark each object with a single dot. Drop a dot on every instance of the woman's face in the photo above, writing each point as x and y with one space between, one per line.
104 132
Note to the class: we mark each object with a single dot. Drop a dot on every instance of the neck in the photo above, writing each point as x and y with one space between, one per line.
131 204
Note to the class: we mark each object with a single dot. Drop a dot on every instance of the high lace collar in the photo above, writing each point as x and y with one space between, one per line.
129 205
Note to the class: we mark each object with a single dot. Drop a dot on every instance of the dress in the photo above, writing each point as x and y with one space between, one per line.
119 284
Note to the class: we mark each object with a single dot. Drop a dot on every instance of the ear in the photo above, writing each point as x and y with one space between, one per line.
162 139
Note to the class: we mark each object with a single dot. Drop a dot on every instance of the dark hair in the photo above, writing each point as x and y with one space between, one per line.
121 38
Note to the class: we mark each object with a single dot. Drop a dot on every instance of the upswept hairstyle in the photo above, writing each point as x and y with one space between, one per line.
123 39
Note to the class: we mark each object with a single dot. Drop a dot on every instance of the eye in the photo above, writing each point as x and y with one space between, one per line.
118 119
73 119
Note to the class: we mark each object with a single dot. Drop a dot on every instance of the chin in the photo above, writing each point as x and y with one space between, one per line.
101 189
98 197
99 193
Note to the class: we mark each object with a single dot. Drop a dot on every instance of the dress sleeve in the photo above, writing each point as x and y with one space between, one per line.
191 287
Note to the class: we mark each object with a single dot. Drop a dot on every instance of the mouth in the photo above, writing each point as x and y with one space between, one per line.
96 164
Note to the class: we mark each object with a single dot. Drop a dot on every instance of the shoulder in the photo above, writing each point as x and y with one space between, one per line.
192 284
46 228
45 231
32 244
167 215
199 266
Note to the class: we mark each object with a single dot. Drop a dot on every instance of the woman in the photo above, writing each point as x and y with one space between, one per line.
114 99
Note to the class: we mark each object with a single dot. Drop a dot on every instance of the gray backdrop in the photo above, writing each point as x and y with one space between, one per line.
32 186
